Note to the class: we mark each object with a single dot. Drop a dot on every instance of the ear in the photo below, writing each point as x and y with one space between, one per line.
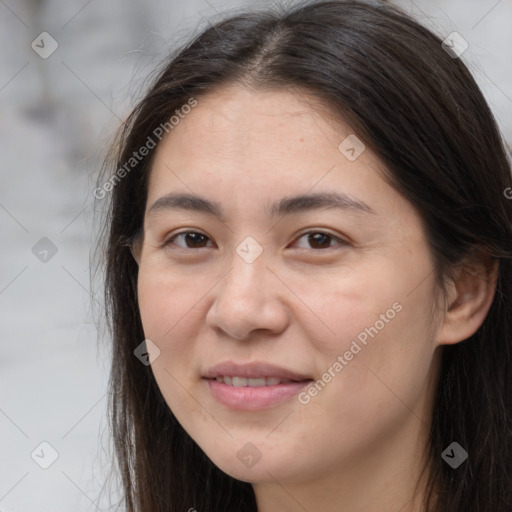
470 294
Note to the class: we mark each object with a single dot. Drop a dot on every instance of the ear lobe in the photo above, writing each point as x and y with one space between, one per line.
469 300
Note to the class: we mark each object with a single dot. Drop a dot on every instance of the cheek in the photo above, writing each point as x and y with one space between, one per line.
376 368
166 302
170 320
381 325
170 315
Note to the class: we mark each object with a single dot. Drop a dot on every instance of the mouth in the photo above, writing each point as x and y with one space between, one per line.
253 386
243 382
242 396
253 397
229 370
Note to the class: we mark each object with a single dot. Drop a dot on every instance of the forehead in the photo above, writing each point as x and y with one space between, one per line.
239 114
246 146
238 123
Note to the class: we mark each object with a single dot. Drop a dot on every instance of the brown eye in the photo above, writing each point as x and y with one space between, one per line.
317 240
321 240
192 240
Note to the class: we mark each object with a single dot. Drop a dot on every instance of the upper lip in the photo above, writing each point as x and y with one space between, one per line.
253 371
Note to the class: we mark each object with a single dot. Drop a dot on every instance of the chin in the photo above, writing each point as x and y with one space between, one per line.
253 471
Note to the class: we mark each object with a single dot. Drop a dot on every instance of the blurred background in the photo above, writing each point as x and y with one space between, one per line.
69 73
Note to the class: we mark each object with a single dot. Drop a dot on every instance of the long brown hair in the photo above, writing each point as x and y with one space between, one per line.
419 109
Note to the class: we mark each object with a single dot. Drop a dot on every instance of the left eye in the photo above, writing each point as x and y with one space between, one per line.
196 240
320 240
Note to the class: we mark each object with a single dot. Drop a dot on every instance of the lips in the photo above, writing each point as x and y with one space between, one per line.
241 382
253 398
254 386
253 374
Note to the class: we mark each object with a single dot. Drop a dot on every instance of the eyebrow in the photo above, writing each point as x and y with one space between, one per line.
284 206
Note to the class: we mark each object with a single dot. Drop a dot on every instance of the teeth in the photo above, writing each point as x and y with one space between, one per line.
256 382
240 382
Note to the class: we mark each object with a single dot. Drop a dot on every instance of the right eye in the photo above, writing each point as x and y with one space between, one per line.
192 240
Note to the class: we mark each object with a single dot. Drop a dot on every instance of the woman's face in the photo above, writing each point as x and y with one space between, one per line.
337 298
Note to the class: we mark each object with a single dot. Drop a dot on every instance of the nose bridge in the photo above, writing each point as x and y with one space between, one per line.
246 299
247 277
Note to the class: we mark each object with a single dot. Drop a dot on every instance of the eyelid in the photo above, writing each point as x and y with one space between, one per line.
342 242
324 231
168 239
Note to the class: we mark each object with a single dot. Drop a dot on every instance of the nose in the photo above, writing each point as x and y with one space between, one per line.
248 299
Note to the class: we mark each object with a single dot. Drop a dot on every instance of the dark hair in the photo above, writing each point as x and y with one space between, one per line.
419 109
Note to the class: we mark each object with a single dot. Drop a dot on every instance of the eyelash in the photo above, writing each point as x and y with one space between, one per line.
170 241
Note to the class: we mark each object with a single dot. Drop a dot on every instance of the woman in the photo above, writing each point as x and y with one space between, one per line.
309 273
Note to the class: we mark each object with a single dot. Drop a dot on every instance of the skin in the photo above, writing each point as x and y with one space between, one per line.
358 444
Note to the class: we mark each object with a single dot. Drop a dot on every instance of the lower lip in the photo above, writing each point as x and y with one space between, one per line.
253 398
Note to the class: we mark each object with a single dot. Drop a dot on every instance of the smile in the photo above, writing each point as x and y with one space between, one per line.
240 382
243 394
